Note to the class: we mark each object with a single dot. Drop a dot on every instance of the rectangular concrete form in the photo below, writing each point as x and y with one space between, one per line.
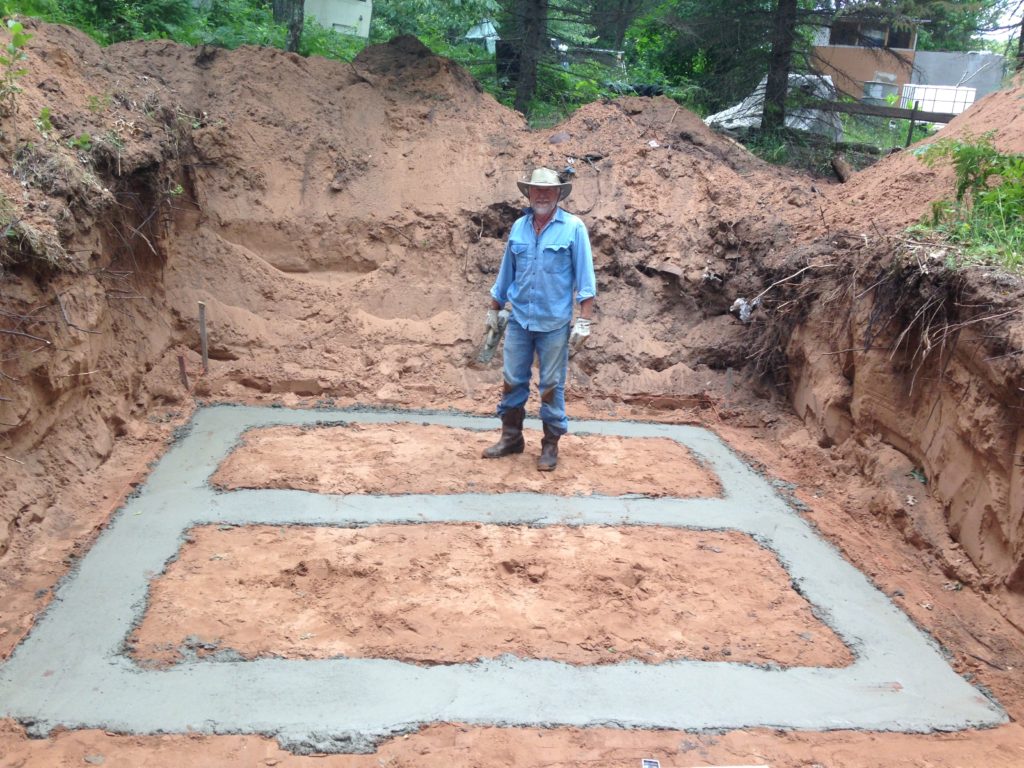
72 669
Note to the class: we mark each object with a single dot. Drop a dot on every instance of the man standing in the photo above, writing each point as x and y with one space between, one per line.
547 265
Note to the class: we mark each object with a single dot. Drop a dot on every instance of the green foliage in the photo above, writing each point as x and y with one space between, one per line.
774 147
953 25
435 23
318 40
111 21
231 23
225 23
882 132
11 61
986 216
43 124
99 103
112 139
717 51
807 152
81 142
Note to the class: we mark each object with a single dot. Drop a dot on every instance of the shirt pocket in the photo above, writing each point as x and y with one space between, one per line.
558 258
521 254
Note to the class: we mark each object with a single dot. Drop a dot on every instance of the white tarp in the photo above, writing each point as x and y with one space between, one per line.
747 114
487 32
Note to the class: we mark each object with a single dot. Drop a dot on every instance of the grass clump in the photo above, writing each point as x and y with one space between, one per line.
985 219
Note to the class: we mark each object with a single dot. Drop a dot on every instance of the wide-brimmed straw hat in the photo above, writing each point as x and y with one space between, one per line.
545 177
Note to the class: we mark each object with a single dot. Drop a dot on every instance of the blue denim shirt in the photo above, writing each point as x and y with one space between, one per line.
541 275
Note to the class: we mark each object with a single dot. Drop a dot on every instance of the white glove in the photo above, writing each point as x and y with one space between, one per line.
580 332
492 320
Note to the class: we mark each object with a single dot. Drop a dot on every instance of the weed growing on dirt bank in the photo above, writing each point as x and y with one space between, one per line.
986 218
10 66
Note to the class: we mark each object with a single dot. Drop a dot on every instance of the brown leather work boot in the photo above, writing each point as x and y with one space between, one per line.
548 450
511 435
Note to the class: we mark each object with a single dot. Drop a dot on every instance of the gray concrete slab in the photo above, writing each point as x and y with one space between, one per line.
72 670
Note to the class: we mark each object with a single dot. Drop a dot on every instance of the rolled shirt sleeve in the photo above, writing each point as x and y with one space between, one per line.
506 276
583 264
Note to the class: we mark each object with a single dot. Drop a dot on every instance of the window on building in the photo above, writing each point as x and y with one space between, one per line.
843 33
872 37
901 37
865 35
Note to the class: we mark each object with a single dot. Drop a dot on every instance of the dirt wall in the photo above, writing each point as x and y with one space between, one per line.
939 404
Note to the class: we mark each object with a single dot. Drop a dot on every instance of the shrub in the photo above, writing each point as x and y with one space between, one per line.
986 216
11 62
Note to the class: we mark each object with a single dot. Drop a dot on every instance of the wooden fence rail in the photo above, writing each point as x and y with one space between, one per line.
877 110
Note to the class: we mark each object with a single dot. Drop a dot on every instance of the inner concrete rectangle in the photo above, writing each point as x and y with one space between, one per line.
72 669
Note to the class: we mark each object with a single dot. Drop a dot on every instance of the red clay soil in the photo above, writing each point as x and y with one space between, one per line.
343 224
430 459
442 746
443 594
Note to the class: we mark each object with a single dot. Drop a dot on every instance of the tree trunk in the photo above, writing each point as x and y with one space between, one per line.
280 8
1020 48
296 17
611 19
532 18
783 35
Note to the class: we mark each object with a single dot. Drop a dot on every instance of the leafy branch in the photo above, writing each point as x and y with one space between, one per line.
11 61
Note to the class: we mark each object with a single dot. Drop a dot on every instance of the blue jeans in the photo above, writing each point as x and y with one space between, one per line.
552 347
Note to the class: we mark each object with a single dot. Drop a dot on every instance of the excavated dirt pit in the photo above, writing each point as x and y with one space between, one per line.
340 266
437 594
413 458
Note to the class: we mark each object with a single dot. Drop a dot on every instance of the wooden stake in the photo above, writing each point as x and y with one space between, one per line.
910 133
181 370
202 338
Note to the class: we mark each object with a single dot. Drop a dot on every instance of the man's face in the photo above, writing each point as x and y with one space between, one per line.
543 200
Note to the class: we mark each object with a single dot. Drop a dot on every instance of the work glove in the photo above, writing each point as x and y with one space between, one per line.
580 333
497 320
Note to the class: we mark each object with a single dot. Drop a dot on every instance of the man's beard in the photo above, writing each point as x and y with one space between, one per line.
543 209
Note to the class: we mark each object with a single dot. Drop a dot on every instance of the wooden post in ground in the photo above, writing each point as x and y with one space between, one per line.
910 133
181 371
204 349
